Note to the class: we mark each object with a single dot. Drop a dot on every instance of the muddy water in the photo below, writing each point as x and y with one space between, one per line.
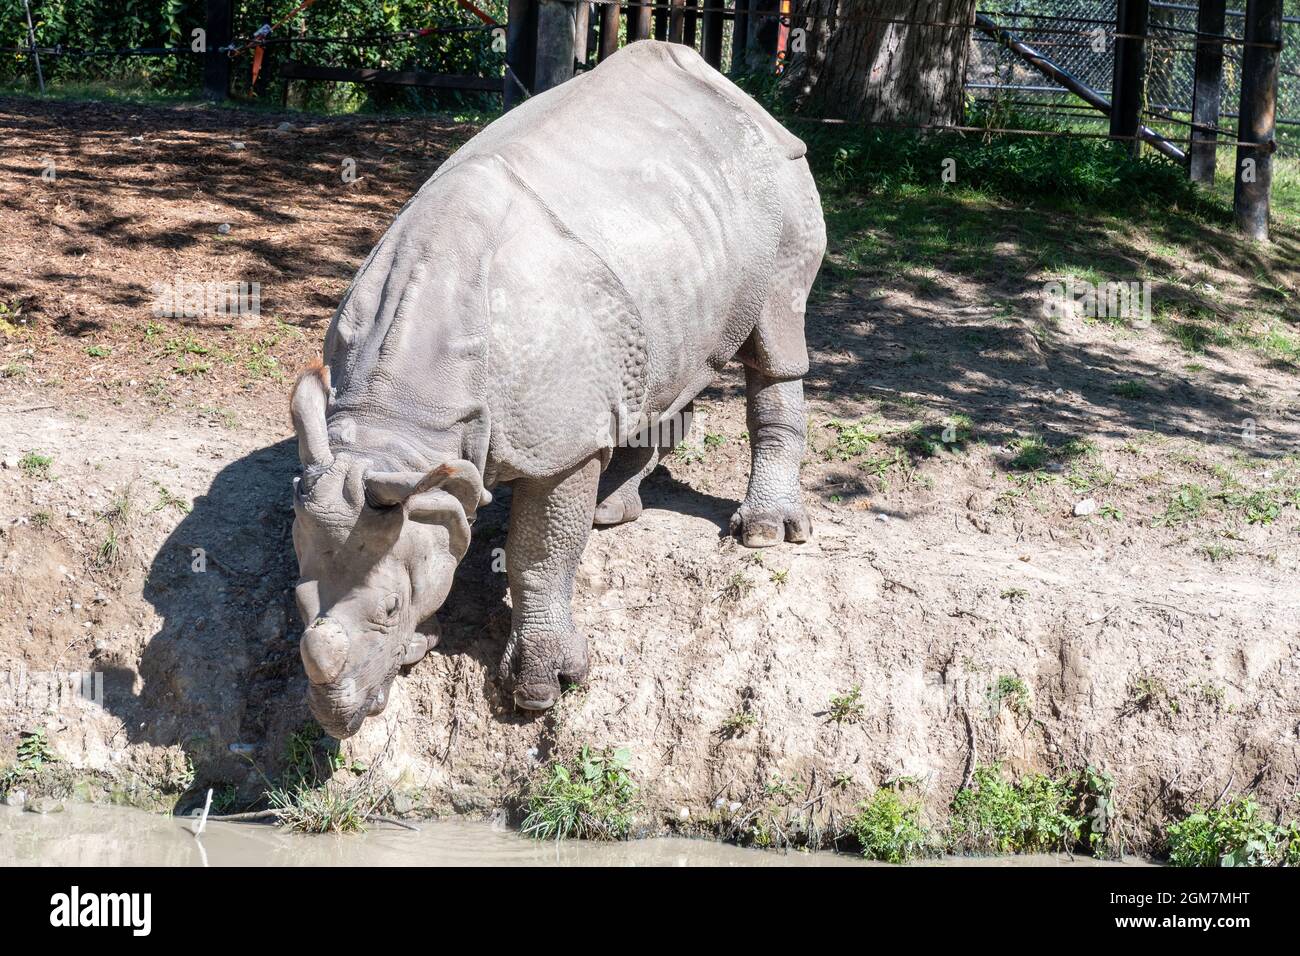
116 836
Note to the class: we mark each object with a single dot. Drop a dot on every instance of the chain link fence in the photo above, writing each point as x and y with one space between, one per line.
1076 35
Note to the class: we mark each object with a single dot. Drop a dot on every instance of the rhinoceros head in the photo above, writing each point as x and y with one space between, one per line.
376 554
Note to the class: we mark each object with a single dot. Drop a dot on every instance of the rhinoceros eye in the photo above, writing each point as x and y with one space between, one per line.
391 603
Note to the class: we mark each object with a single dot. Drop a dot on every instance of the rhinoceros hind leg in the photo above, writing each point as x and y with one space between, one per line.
550 521
773 509
619 499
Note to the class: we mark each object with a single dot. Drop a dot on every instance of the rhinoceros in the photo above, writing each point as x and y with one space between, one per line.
561 288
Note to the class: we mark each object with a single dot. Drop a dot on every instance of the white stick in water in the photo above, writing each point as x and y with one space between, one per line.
197 827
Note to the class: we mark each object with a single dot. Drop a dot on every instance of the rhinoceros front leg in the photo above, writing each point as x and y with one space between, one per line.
550 520
773 509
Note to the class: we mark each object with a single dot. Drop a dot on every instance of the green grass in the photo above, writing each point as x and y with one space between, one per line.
591 796
888 828
1013 692
1187 504
35 465
1233 834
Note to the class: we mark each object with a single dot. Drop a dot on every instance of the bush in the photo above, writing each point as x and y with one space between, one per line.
1233 834
1034 815
591 797
888 827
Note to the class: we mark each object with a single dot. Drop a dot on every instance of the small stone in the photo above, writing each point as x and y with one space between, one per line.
236 145
733 806
10 462
882 517
137 139
1085 507
683 814
223 229
286 127
243 750
15 798
44 805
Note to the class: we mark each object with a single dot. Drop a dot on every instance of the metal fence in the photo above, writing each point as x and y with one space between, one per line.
1074 34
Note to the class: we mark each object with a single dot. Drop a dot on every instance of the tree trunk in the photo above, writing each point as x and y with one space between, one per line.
856 67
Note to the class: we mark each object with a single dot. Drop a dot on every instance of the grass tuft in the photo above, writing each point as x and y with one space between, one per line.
590 797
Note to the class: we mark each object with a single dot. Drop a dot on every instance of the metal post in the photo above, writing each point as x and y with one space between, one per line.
676 20
216 62
711 47
556 38
1130 55
1259 68
1207 92
692 22
739 36
31 45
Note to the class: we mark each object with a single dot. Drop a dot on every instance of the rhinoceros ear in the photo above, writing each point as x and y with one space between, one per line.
307 407
459 478
437 506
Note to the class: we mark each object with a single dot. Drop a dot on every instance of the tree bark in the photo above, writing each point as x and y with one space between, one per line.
854 66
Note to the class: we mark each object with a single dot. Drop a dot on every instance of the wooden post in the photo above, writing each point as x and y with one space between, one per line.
1206 93
609 16
31 45
638 22
556 38
739 36
711 46
216 62
1259 68
1130 53
581 31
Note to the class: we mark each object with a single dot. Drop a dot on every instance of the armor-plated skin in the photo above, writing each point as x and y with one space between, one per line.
566 282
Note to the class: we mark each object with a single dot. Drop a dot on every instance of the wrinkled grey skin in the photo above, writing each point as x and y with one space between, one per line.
567 281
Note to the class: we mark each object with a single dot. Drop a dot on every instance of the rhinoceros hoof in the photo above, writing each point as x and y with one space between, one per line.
537 666
764 526
619 508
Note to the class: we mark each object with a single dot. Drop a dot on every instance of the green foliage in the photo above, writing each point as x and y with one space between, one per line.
590 797
34 753
863 159
847 708
888 827
1037 814
1187 504
1233 834
851 439
355 26
1013 692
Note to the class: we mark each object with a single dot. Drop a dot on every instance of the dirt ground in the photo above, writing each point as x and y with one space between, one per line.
954 433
